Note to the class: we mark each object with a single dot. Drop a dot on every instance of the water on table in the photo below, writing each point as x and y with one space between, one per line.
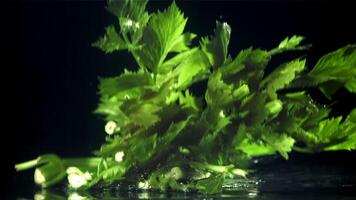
326 176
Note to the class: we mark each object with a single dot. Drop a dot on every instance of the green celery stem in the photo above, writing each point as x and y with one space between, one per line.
26 165
87 163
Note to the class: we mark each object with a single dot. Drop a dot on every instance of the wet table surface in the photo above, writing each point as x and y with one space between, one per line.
326 176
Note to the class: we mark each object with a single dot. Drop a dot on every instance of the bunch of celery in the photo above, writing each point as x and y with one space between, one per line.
161 136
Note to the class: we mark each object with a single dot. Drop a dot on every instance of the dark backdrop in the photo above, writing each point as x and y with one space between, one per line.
50 71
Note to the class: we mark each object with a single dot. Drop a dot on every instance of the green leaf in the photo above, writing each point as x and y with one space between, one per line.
349 144
255 149
143 114
253 58
217 46
337 65
280 142
108 106
211 185
347 129
173 131
350 85
274 107
127 80
141 149
111 108
172 98
112 174
191 69
132 9
111 147
248 67
290 44
188 101
111 41
328 130
109 171
169 64
209 140
241 92
282 76
314 116
333 71
299 111
132 19
163 178
169 26
183 42
161 35
352 116
218 93
253 110
333 134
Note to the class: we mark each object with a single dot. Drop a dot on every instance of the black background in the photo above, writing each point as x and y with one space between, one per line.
50 71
